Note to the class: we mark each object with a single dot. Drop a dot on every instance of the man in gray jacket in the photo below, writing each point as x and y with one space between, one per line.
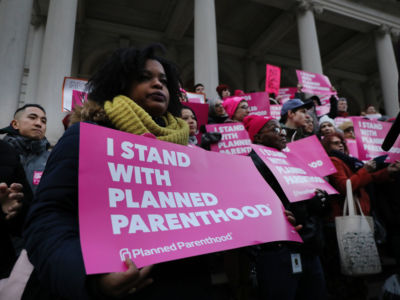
26 134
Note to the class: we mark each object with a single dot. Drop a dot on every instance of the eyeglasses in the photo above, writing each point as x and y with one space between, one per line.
337 143
278 130
244 106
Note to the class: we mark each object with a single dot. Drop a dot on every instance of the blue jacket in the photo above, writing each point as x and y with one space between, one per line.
53 245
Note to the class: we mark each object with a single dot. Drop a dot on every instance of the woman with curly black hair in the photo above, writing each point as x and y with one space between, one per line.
134 91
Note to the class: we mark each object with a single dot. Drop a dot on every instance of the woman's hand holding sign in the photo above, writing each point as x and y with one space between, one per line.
121 284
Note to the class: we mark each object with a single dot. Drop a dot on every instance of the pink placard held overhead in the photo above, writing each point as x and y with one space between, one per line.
296 178
323 109
272 79
340 120
235 139
258 103
155 201
314 83
310 151
275 111
370 135
287 93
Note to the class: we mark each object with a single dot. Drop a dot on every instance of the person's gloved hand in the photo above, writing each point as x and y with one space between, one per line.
209 138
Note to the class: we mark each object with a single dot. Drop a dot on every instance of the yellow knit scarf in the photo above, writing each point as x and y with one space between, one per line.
127 116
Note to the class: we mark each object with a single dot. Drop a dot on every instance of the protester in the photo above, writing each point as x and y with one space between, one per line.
293 118
188 115
137 92
26 134
199 88
216 113
348 129
236 108
223 91
15 197
276 274
326 126
309 127
361 174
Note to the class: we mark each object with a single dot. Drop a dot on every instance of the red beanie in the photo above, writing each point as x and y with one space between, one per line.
254 123
239 93
230 105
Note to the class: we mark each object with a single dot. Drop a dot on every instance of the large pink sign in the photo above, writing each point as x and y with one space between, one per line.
155 201
370 135
275 111
272 79
313 83
235 139
310 151
296 178
258 103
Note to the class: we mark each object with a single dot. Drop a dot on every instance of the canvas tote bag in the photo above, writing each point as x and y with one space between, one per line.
355 234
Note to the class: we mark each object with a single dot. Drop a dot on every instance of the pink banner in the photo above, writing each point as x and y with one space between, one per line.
325 99
196 98
352 146
235 139
316 84
272 79
310 151
370 135
258 103
297 180
275 111
323 109
201 111
155 201
287 93
71 92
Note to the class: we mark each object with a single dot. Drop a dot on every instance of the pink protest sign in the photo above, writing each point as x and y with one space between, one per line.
297 180
196 98
272 79
323 109
275 111
258 103
235 139
325 99
313 83
287 93
310 151
201 112
370 135
73 92
352 147
155 201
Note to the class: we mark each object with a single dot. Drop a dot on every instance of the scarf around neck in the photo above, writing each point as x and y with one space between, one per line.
127 116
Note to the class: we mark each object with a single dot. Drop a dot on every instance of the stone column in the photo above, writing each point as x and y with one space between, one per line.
56 62
34 64
205 46
15 17
251 75
308 39
387 69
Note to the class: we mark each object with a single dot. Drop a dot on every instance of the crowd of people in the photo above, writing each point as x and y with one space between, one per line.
139 92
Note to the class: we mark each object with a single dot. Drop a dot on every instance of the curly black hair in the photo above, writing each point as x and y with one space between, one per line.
123 67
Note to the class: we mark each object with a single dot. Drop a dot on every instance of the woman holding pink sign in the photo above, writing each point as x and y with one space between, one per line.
135 91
